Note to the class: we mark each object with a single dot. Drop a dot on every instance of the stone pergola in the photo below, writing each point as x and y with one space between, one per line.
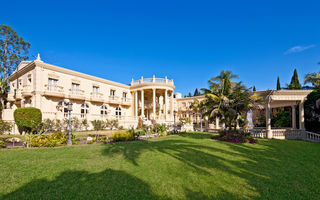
284 98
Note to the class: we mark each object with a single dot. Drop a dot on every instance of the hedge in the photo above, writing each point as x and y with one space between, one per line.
27 119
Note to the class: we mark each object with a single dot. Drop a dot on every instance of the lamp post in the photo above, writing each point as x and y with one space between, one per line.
200 122
174 121
69 111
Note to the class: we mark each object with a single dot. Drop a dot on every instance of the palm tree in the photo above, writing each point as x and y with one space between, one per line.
227 99
313 78
223 81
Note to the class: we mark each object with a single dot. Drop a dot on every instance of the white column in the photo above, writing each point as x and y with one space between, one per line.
217 123
207 123
166 104
171 113
293 116
301 116
142 103
154 103
136 103
268 121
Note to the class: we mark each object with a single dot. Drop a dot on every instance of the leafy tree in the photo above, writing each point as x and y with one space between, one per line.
48 125
294 84
98 125
189 95
312 111
13 50
27 119
278 84
5 127
196 93
254 89
85 124
313 79
112 124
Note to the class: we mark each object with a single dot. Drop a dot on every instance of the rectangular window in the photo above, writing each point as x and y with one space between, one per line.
52 84
112 92
95 90
75 88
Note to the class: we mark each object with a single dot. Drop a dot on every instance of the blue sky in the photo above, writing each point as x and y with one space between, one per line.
188 41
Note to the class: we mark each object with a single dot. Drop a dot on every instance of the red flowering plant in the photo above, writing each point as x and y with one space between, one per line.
235 137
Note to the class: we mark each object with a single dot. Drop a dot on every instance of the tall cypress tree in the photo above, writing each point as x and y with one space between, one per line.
254 88
196 92
278 84
294 84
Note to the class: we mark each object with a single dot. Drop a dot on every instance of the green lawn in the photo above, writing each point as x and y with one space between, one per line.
188 166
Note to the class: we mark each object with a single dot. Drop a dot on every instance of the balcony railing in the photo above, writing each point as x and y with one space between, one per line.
53 90
126 100
76 94
26 90
113 99
152 80
94 96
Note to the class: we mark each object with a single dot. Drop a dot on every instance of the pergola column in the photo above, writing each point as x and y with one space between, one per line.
217 123
154 103
268 120
301 115
293 116
142 103
136 103
166 104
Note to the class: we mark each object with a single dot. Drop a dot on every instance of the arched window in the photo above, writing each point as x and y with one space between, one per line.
118 112
63 107
104 110
84 109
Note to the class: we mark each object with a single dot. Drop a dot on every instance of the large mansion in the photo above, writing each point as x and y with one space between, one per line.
49 88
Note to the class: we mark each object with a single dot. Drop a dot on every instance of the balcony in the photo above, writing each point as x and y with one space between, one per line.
113 99
53 90
157 81
126 101
11 96
76 94
26 91
96 97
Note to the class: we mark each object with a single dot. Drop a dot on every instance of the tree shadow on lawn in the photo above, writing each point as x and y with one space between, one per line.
275 169
108 184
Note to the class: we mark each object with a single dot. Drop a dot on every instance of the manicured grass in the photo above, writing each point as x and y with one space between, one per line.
188 166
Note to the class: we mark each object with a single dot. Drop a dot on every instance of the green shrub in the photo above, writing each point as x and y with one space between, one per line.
56 139
5 126
27 119
123 136
2 144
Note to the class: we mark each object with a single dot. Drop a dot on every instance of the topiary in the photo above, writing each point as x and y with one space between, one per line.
27 119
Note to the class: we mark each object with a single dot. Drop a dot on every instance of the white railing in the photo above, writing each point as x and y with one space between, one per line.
77 92
315 137
152 80
258 133
96 95
53 88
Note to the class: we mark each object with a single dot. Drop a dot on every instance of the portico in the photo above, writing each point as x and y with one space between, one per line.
153 98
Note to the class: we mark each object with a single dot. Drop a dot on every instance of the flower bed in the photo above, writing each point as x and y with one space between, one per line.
235 137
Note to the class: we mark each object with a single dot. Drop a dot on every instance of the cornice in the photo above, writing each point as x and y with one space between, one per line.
81 75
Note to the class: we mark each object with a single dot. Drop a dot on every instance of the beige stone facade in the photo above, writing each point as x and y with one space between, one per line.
49 88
